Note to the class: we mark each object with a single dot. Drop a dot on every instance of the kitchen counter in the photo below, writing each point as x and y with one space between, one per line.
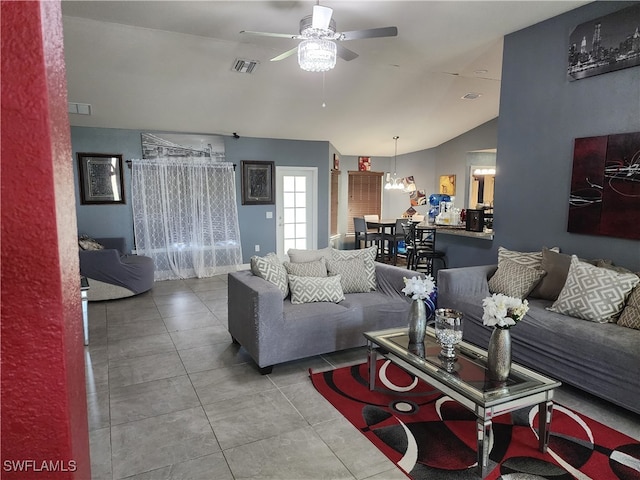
461 232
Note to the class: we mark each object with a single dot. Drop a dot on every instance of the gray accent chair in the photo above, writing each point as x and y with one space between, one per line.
112 274
274 331
601 359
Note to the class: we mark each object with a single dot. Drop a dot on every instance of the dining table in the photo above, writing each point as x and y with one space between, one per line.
387 230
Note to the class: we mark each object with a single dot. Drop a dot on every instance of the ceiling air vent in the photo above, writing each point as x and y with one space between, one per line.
471 96
244 66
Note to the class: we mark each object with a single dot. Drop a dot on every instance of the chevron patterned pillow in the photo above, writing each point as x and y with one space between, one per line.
530 259
369 257
630 316
271 269
315 289
307 269
593 293
353 273
514 280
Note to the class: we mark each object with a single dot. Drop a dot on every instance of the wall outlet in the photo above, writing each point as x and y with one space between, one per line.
269 214
257 248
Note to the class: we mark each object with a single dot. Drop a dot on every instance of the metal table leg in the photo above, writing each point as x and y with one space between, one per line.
372 357
545 411
484 430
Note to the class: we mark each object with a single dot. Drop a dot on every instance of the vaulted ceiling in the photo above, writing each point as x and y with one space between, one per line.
167 65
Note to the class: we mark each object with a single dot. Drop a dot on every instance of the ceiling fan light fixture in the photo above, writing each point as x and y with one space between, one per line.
317 55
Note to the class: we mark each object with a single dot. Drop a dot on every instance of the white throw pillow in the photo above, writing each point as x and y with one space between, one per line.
593 293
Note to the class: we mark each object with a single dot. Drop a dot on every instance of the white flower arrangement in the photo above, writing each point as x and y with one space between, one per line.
419 288
503 311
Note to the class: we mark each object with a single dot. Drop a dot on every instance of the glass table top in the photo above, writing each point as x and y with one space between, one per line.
467 374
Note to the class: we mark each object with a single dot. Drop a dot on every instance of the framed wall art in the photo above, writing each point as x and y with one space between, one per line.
258 183
101 180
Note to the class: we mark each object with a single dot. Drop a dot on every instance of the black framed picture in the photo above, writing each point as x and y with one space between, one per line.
258 183
101 178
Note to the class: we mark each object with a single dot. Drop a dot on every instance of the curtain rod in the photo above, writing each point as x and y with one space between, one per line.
128 162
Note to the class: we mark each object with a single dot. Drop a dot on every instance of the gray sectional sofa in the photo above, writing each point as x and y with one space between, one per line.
273 330
600 358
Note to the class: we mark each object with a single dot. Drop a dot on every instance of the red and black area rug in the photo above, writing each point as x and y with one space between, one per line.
429 436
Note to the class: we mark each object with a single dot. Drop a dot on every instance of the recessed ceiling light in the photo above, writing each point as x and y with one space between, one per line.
481 72
471 96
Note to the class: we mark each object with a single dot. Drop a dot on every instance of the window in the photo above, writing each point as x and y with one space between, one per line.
365 195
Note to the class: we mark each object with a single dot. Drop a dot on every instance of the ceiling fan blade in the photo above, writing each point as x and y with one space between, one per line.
321 17
345 53
267 34
284 55
370 33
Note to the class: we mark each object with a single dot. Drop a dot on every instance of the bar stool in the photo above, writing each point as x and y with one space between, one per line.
425 242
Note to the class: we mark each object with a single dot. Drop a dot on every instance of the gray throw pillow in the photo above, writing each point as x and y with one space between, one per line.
557 267
369 257
307 269
315 289
593 293
303 256
514 279
353 273
271 269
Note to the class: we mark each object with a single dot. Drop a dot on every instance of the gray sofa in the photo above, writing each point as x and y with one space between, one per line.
273 330
112 274
601 359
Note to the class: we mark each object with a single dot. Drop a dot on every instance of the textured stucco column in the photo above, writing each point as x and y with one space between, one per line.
44 410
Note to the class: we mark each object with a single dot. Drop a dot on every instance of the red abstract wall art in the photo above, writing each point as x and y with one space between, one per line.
605 186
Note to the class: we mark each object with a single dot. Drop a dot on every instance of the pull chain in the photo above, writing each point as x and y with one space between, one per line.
323 102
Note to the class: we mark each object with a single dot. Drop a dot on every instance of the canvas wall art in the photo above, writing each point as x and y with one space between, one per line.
418 197
605 44
605 186
166 145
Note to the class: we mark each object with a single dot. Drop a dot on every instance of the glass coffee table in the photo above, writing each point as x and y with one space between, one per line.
465 380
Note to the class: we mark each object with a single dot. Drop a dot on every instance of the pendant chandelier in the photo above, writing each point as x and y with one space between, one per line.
393 182
317 55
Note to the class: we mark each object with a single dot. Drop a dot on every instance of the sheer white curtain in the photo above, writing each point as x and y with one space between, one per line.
185 216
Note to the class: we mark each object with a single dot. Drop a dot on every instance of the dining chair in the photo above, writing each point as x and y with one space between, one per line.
397 238
362 234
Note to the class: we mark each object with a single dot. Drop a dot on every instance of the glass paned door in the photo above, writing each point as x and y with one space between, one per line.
296 209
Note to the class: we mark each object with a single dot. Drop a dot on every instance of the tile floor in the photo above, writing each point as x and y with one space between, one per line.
170 397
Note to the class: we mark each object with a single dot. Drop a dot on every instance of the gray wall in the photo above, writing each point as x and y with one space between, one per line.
541 113
255 228
106 220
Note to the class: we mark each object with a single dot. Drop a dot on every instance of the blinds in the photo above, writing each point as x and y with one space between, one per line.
335 185
365 195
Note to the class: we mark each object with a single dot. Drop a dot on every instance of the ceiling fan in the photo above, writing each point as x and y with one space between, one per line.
321 42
